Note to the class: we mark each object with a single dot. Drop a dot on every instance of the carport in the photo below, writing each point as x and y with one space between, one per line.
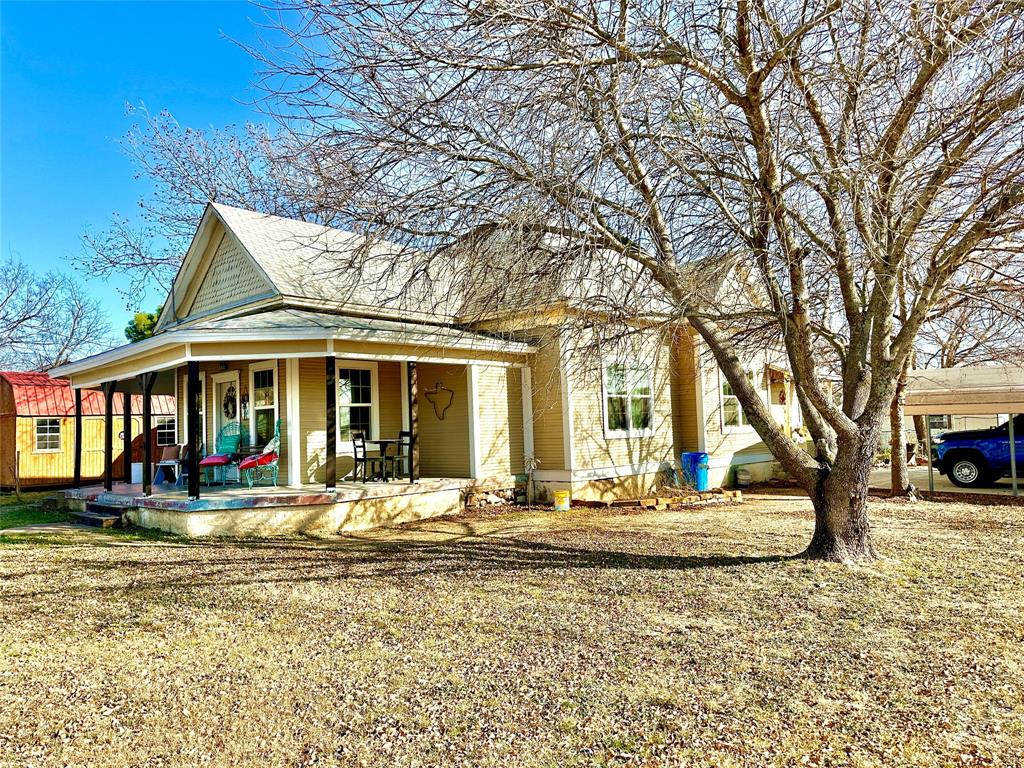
969 391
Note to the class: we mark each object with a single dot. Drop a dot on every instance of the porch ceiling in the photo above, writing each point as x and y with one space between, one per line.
283 333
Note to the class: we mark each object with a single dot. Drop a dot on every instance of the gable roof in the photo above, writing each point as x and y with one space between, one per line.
315 266
36 394
495 270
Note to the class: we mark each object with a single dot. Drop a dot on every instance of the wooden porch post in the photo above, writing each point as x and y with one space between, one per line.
146 382
192 396
78 438
414 423
126 398
330 463
108 435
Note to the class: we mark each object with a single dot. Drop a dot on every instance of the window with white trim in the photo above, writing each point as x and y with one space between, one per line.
47 435
355 403
263 379
732 411
166 430
629 399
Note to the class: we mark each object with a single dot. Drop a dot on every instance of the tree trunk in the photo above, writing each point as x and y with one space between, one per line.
921 431
841 529
900 478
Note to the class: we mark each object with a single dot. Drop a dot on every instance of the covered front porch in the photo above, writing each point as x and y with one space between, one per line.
317 381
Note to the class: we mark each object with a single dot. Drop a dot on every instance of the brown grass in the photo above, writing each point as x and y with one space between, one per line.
589 638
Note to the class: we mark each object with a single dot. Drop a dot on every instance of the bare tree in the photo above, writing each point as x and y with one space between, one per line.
978 321
981 318
248 166
46 320
825 148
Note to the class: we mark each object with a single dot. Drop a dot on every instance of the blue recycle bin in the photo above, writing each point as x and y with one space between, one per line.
695 469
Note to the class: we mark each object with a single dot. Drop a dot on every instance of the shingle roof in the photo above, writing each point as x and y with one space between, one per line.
345 269
509 268
36 394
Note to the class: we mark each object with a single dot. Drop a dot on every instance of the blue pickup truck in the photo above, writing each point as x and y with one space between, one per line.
979 457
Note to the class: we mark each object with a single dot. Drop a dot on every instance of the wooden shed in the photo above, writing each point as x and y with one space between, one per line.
37 430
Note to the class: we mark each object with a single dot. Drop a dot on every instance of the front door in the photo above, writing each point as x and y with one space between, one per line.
225 400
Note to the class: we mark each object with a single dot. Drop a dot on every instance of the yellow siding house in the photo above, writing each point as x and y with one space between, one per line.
352 352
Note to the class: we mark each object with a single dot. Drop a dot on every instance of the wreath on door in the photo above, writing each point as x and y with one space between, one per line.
229 406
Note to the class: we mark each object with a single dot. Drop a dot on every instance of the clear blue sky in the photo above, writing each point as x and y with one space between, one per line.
67 70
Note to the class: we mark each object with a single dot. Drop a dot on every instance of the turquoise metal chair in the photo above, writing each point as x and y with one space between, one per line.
224 452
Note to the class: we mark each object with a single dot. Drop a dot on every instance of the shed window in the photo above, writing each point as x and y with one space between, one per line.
628 398
47 434
166 430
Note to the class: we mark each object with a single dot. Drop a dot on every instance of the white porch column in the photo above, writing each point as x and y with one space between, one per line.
565 370
472 373
526 382
295 478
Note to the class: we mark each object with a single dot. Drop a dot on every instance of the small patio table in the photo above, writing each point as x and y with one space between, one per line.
382 444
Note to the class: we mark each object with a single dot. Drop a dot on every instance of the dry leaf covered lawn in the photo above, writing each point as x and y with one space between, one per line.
522 638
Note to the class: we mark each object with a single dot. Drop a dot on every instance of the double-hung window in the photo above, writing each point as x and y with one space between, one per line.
264 403
732 411
629 405
47 435
355 402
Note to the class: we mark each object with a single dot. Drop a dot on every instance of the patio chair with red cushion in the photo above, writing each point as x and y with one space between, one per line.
264 465
225 452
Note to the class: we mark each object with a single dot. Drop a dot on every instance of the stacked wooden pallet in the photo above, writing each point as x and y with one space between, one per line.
670 502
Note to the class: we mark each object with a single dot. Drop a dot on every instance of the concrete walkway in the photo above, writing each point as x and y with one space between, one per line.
880 478
50 528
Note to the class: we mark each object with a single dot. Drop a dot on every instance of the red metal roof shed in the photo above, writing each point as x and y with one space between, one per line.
36 394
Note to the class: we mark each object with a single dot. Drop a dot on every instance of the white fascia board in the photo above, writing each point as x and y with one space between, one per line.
263 301
366 310
172 338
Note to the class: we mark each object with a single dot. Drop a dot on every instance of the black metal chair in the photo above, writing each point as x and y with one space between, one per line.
363 463
403 454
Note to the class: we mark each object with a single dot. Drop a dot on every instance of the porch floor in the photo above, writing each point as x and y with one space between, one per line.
171 497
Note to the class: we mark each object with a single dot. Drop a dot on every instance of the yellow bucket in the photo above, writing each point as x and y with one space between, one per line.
562 499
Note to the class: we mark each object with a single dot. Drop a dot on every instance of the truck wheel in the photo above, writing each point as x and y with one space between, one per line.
969 472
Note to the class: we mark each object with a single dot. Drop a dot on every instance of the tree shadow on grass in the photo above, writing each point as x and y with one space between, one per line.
360 559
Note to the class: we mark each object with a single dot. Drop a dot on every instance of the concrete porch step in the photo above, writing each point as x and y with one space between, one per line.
98 515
